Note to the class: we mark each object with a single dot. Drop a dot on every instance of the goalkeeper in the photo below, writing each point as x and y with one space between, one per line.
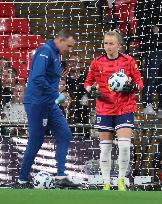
40 101
114 110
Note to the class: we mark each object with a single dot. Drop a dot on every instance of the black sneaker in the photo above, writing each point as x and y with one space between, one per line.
66 183
28 185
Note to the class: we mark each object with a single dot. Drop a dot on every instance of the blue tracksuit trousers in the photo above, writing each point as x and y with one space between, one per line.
39 116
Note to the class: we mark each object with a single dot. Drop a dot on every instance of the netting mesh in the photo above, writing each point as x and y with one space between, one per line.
24 26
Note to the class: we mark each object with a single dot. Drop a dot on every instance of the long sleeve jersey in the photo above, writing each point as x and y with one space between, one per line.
101 69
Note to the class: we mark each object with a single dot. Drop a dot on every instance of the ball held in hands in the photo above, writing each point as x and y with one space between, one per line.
129 87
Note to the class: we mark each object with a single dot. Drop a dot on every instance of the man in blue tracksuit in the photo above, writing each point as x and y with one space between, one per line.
39 101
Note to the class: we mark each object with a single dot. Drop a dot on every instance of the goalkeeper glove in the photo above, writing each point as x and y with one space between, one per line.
60 99
93 92
129 87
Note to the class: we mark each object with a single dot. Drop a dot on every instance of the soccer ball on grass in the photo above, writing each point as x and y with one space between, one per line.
43 180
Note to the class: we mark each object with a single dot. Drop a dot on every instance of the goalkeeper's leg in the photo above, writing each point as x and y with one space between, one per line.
105 127
124 142
105 157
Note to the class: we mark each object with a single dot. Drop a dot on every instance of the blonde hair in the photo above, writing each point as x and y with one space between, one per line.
115 33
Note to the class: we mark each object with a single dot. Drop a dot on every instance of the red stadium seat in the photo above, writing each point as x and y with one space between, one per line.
22 72
7 10
4 41
17 41
25 41
14 25
15 56
19 60
30 54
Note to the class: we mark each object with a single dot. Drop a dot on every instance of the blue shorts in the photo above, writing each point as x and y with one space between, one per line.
106 123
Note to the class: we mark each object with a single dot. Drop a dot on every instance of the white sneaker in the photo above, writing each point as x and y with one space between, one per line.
159 113
22 182
149 110
61 177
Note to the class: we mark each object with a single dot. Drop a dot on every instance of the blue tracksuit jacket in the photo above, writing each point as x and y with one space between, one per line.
44 76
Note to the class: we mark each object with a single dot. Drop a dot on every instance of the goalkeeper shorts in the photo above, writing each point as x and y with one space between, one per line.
107 123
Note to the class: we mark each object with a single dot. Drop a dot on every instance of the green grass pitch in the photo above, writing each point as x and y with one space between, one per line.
14 196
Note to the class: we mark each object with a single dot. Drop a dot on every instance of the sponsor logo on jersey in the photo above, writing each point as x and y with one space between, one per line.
43 56
122 70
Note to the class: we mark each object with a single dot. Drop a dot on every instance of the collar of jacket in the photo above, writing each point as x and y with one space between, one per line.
53 46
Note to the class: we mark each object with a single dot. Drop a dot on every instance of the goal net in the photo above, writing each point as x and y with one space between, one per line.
24 26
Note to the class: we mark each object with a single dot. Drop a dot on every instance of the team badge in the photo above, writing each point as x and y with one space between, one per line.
98 119
45 122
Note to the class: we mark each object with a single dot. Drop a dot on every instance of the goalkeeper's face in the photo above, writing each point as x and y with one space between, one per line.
111 45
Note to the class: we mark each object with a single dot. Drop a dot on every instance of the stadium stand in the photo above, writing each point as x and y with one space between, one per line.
16 40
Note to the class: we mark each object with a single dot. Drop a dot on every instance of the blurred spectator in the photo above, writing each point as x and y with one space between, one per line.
110 3
75 83
8 81
62 85
150 33
74 71
160 151
133 50
8 77
92 118
159 90
67 106
13 112
3 64
133 46
124 11
103 7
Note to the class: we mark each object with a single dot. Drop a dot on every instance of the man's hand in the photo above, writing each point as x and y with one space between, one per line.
129 87
66 71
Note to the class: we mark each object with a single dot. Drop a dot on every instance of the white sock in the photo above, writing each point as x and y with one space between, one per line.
105 159
124 156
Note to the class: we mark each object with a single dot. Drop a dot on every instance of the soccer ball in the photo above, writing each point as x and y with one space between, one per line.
43 180
117 81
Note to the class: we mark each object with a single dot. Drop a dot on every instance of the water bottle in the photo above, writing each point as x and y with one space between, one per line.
60 99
